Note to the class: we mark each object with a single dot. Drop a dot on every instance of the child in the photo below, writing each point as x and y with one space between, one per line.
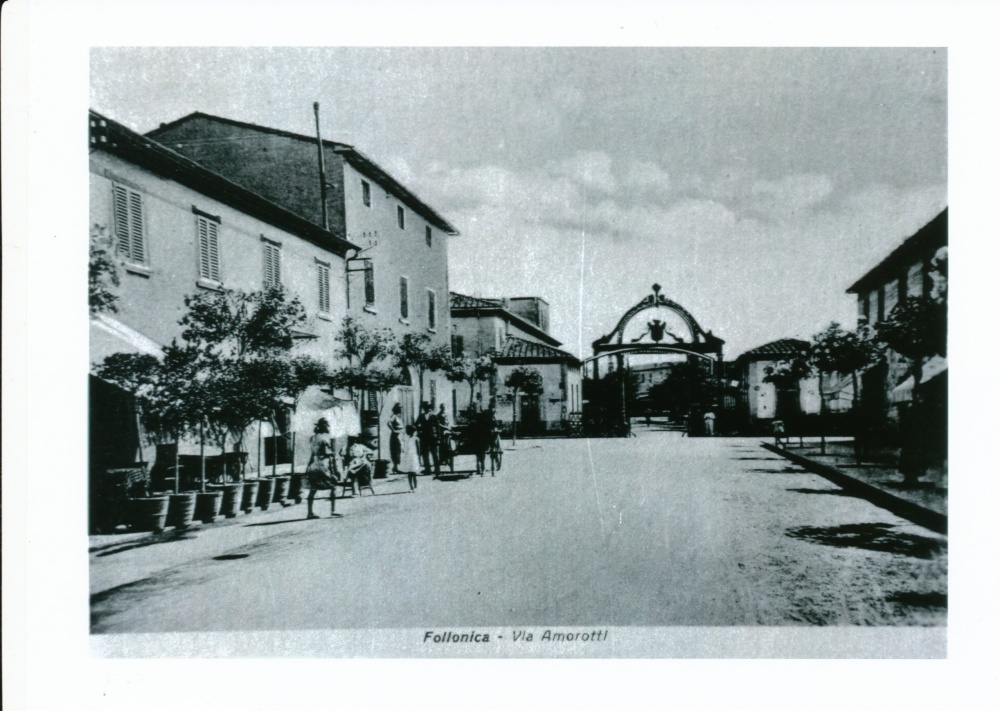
409 460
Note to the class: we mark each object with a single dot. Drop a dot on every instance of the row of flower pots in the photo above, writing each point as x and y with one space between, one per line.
155 513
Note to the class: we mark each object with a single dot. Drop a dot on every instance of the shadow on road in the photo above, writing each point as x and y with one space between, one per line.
917 599
153 540
784 470
870 536
832 492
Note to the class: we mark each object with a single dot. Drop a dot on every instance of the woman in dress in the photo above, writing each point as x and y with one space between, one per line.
395 434
410 460
322 469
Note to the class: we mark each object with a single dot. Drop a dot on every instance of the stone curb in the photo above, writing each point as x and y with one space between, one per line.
909 510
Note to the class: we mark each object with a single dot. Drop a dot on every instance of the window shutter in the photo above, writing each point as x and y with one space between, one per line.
431 310
272 265
135 213
130 236
404 298
369 283
324 288
123 240
215 274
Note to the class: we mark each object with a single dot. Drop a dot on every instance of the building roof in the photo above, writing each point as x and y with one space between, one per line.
461 301
355 157
782 348
114 138
918 246
522 351
462 305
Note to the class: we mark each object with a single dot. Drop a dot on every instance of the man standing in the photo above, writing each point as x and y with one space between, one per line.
427 432
709 423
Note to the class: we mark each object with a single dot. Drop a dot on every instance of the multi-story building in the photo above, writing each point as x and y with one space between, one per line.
398 279
514 331
178 229
907 272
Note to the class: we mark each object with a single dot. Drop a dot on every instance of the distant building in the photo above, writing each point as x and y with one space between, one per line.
765 400
515 333
178 228
398 279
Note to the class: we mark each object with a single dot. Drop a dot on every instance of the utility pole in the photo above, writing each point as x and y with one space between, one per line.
322 169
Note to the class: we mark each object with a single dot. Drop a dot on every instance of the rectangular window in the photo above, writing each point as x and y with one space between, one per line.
129 225
366 193
458 346
400 217
431 309
428 237
404 297
208 248
323 271
881 305
891 296
915 280
272 264
369 284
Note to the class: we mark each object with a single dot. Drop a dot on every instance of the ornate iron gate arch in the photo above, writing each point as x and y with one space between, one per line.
659 337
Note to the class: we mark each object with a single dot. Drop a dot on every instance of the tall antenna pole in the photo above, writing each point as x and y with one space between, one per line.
322 169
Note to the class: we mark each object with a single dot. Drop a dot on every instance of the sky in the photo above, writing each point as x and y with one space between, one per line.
753 185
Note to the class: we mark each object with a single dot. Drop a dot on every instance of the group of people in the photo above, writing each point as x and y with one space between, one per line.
327 468
430 442
423 446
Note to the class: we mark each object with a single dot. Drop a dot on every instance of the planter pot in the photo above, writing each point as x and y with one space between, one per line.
208 507
295 487
264 493
250 494
150 513
381 468
280 490
181 512
232 498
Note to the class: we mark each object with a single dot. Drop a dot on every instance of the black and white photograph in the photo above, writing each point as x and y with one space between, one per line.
517 347
460 350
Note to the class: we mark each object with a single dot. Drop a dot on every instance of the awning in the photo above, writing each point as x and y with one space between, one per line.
931 369
109 335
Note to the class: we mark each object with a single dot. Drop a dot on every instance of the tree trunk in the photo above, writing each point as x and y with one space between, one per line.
260 438
822 417
225 466
513 426
177 465
859 419
201 453
274 436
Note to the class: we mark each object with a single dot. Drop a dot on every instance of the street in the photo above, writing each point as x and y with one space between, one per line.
656 530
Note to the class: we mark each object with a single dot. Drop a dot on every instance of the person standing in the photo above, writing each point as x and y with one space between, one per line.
444 437
427 432
709 423
322 470
395 433
409 459
482 437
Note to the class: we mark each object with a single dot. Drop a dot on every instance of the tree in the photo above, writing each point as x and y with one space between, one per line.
835 350
169 392
522 380
103 272
245 336
917 329
685 388
368 357
786 376
471 371
418 352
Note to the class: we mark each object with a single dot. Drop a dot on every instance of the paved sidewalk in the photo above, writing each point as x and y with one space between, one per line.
875 478
121 559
